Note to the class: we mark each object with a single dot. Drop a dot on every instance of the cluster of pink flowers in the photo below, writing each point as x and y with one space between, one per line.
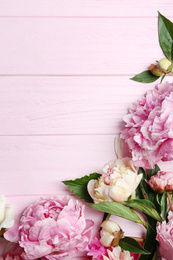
51 229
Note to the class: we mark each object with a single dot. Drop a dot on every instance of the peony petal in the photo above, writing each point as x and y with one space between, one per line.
12 234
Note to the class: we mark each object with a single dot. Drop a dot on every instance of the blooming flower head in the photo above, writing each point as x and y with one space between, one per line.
97 251
118 182
149 127
110 233
6 213
52 228
165 238
161 182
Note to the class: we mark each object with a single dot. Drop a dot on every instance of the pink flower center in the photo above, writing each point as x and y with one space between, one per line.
108 176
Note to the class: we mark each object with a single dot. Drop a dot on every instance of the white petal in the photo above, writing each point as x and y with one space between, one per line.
9 211
106 238
110 226
91 188
7 223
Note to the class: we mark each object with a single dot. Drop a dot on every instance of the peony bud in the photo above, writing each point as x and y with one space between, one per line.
155 71
161 182
165 65
110 234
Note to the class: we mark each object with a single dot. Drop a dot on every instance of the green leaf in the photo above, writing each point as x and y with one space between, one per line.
155 256
117 209
166 35
145 76
132 245
144 190
145 206
150 240
153 171
79 186
164 204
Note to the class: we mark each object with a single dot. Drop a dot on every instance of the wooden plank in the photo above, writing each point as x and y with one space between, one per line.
36 165
66 105
64 46
85 8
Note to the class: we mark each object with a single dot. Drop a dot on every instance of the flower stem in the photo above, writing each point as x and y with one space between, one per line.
170 201
142 221
162 78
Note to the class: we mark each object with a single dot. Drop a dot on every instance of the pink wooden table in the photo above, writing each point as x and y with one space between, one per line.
64 87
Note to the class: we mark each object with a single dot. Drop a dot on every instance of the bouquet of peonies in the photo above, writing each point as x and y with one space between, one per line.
132 187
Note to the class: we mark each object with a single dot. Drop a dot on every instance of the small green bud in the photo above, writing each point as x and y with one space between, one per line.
155 71
165 65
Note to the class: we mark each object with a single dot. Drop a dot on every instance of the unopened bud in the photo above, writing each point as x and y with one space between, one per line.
110 234
165 65
155 71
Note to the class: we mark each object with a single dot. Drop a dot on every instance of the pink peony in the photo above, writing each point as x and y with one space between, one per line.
96 250
162 181
99 252
52 228
165 238
149 127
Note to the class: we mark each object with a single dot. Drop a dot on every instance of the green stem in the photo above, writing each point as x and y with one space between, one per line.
142 221
162 78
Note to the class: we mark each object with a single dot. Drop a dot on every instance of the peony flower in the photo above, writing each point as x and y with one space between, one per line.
52 228
6 214
161 182
118 182
165 238
149 127
118 254
110 233
96 250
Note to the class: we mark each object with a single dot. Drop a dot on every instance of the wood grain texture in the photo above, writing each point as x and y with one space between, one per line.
37 165
64 88
66 105
65 46
85 8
